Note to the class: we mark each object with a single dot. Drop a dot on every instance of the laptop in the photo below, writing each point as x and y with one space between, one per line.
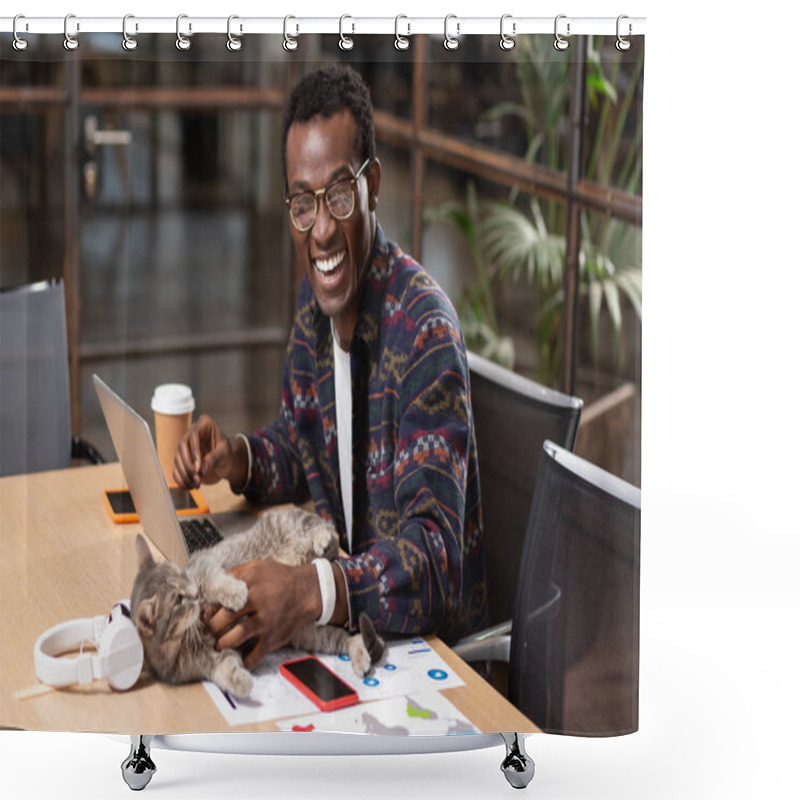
136 450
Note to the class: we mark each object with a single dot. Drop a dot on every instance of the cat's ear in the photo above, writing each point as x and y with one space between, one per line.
146 616
143 553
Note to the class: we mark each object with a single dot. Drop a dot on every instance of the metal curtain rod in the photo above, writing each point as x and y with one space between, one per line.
402 26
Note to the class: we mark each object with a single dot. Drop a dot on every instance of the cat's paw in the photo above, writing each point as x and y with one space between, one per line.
366 647
232 593
373 643
231 676
326 542
359 657
241 683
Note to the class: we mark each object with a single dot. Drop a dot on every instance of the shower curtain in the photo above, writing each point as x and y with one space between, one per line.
145 171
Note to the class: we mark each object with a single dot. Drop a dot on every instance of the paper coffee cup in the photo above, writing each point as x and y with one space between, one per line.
172 407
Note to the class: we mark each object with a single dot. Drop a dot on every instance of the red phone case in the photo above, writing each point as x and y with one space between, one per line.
325 705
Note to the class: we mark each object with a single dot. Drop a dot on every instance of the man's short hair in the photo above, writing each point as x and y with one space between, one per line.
326 91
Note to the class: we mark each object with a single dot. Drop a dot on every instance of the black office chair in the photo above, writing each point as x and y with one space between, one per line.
514 416
35 425
573 651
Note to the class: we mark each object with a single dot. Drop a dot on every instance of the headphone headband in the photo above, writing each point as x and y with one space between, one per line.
119 655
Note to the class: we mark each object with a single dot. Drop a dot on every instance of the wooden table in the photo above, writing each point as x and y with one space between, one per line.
61 557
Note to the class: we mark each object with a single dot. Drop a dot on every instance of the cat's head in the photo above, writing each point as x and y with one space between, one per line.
165 608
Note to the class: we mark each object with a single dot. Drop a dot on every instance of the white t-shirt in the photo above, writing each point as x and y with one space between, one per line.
344 430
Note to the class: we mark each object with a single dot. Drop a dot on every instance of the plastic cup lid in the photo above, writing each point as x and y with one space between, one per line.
172 398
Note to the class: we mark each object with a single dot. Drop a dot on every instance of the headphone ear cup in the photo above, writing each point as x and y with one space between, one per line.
121 649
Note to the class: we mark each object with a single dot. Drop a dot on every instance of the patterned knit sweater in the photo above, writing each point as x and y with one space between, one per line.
417 559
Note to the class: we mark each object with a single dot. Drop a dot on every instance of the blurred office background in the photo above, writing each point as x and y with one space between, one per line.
151 182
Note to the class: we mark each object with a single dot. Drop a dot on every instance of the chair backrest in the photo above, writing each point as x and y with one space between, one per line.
513 416
34 379
574 663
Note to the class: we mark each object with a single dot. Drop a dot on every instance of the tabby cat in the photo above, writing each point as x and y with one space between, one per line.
167 601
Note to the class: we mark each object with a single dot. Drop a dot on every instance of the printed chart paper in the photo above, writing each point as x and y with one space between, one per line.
422 714
407 667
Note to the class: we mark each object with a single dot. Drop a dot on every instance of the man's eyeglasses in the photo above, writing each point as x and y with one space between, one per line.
339 195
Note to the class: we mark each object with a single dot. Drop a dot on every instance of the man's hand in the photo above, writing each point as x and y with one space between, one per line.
206 455
280 600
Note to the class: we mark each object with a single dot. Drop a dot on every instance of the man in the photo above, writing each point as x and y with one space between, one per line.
375 426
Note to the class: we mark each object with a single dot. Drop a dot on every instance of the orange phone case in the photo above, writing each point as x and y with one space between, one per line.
325 705
202 506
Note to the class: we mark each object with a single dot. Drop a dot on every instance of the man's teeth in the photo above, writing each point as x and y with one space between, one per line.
325 265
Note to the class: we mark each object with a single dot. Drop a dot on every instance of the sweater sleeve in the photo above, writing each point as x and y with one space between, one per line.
277 474
410 582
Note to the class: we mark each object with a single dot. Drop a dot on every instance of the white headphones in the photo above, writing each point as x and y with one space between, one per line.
119 653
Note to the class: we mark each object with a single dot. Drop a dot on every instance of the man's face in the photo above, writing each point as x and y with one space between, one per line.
334 253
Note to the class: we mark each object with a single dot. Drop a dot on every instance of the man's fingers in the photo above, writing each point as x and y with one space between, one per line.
208 611
209 466
201 455
195 449
183 471
180 476
236 636
252 652
220 619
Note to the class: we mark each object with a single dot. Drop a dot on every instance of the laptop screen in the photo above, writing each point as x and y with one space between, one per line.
148 487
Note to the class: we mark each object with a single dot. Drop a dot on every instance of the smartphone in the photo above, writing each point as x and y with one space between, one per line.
119 503
321 686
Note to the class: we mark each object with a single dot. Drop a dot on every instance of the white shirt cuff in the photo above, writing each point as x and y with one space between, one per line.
246 441
327 588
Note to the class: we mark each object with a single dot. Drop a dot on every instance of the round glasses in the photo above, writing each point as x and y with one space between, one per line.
339 196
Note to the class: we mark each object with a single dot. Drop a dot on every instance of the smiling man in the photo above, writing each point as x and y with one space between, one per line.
334 246
375 427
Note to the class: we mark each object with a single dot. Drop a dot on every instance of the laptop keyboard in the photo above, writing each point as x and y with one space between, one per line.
199 533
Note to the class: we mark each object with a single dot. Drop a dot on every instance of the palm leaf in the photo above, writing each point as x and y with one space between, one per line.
611 294
595 304
516 244
510 109
630 282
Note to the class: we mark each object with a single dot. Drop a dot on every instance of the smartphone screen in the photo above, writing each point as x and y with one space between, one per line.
318 683
122 503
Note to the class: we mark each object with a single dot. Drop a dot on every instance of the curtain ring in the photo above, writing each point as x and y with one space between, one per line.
289 42
70 42
450 42
345 42
234 43
19 43
182 42
401 42
623 44
128 42
507 42
560 42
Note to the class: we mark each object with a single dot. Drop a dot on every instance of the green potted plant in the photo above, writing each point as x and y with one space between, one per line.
518 238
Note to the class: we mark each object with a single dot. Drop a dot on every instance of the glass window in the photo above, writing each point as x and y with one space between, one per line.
613 144
183 230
